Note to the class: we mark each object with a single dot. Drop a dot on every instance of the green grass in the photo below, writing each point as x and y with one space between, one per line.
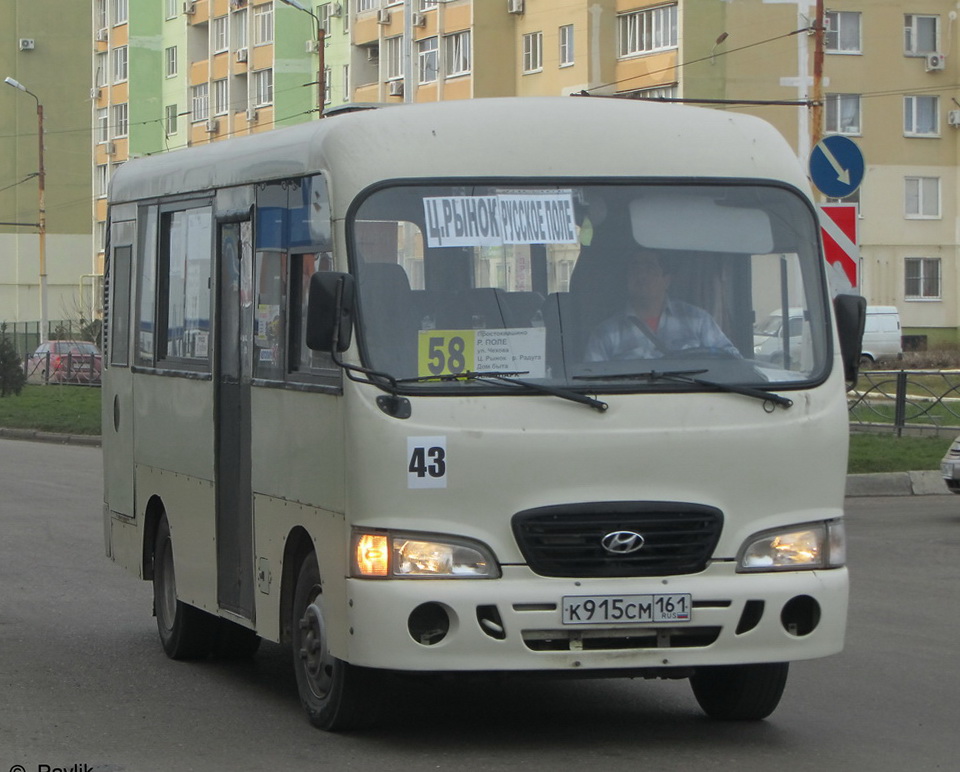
53 408
886 452
76 410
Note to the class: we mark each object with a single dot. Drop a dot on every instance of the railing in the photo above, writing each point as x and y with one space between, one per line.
895 400
63 368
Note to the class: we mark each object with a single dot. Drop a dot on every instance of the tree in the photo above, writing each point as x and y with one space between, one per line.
12 377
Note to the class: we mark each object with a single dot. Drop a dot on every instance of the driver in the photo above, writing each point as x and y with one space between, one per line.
654 325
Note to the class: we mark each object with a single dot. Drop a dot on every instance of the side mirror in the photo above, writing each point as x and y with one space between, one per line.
851 314
330 311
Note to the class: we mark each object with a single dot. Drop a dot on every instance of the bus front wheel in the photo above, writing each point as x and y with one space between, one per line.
336 695
186 632
740 692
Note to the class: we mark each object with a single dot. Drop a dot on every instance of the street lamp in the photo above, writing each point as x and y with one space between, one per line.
321 35
42 217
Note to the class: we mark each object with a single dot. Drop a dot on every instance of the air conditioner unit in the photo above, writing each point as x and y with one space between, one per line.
27 44
419 20
395 88
94 93
935 62
251 115
238 3
212 125
241 54
312 46
189 9
110 148
373 53
514 6
336 10
102 35
383 17
953 118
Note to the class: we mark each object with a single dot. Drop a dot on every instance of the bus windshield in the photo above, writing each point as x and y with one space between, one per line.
600 287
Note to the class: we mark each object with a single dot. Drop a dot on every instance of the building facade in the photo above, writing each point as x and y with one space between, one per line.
170 74
43 58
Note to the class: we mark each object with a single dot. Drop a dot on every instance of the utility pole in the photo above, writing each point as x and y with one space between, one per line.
816 108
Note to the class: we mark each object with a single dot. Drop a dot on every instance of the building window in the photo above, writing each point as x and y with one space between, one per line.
119 120
922 196
426 5
657 92
566 45
327 91
100 14
346 83
221 103
200 102
921 34
100 181
221 34
367 5
119 64
456 51
921 278
393 58
240 28
843 32
263 87
119 11
263 24
103 125
171 120
173 8
103 65
921 116
644 32
427 60
842 114
170 57
533 52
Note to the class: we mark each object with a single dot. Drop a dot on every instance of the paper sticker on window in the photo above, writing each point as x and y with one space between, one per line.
426 462
504 218
521 350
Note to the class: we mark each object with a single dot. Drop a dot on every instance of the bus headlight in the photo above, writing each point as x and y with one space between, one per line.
398 555
809 546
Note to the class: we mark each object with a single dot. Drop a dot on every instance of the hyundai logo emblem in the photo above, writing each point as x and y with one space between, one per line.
622 542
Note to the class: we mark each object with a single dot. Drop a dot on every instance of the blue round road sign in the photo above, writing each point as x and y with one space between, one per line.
836 166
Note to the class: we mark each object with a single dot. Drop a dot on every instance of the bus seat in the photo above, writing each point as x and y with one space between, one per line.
390 323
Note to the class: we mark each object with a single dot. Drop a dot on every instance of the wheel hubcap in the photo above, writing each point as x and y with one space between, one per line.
317 662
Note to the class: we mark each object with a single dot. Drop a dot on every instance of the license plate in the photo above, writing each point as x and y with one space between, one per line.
626 609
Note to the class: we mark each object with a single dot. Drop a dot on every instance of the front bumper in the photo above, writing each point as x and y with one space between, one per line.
514 623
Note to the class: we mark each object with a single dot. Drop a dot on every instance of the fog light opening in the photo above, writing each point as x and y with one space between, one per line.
491 622
428 624
801 615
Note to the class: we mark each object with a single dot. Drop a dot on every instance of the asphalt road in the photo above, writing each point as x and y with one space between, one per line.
84 683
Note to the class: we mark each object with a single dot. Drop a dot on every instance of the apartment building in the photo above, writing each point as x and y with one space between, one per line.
198 71
43 58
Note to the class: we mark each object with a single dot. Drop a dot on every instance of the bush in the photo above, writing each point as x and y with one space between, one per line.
12 377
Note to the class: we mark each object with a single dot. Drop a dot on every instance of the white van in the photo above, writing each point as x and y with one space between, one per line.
881 334
881 337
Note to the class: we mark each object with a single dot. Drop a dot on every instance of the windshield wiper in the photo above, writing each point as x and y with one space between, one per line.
510 377
690 376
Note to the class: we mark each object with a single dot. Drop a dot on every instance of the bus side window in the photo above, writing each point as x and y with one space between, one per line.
303 359
269 315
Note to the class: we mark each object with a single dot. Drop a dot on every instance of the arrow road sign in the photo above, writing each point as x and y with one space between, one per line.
836 166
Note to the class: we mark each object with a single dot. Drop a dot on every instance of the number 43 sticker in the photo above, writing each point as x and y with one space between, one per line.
426 462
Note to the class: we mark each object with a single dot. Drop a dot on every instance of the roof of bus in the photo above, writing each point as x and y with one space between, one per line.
542 137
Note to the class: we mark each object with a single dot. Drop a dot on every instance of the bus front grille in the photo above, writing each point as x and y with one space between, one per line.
568 540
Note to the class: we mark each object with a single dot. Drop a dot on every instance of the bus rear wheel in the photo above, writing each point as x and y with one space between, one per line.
740 692
336 695
186 632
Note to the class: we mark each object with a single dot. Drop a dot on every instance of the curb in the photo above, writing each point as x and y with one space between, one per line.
923 483
91 440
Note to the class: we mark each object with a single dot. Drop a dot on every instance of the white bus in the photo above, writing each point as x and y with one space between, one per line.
470 387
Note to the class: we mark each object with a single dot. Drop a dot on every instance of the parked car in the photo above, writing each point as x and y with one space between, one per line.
65 361
950 466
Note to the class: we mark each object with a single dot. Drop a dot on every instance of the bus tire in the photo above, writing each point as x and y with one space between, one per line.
740 692
186 632
335 694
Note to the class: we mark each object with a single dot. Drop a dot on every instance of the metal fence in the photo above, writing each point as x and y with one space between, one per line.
26 335
920 401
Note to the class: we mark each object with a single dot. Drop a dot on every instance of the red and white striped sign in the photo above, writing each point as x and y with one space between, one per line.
838 226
